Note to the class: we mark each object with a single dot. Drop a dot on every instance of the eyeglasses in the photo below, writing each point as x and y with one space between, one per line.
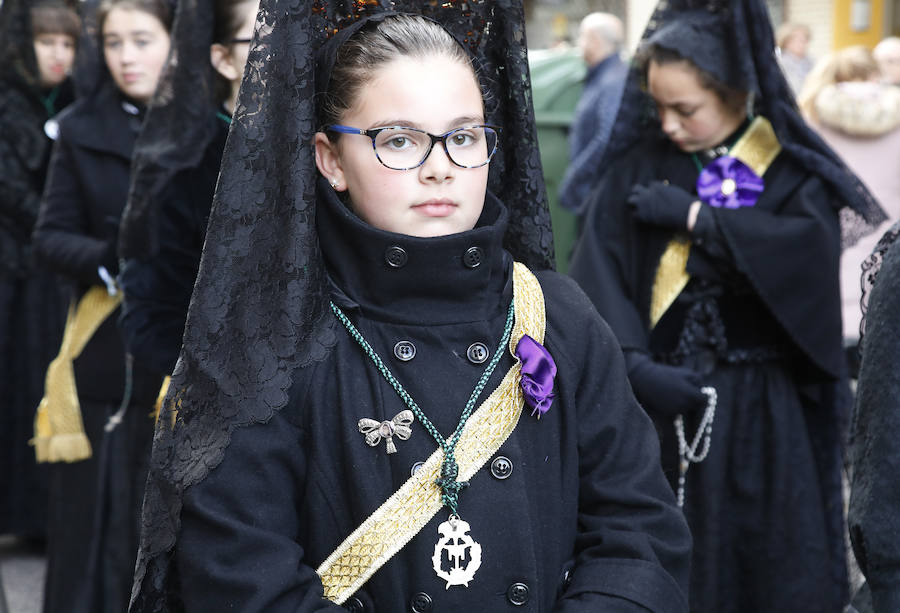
240 41
404 148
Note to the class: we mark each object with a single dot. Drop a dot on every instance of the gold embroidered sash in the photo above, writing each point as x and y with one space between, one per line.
58 428
757 148
411 507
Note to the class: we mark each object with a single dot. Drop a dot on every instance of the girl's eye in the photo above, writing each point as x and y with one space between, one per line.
462 139
140 43
686 112
399 141
112 44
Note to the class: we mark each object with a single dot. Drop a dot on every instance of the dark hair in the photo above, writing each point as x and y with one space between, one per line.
229 17
363 53
733 98
55 18
161 9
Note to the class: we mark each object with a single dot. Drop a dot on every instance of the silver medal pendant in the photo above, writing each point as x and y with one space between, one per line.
456 554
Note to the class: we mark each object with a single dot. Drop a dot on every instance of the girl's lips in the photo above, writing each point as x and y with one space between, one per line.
436 208
131 77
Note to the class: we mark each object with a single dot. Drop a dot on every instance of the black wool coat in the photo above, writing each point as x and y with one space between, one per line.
77 228
874 453
158 288
573 512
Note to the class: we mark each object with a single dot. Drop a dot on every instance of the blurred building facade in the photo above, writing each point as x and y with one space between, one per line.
834 23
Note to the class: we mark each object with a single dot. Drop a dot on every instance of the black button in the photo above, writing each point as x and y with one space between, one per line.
517 594
355 605
395 257
478 353
501 467
404 351
473 256
421 603
415 468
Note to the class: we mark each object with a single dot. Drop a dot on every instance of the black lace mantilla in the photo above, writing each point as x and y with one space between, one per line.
870 268
748 41
260 309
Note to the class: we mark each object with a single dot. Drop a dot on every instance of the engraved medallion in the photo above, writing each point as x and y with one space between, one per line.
456 554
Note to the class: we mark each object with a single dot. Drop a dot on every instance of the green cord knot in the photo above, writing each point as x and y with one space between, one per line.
450 487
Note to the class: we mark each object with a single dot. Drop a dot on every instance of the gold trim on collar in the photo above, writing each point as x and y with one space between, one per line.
411 507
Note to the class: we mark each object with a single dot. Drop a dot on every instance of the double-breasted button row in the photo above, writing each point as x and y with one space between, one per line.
396 257
354 605
501 467
477 353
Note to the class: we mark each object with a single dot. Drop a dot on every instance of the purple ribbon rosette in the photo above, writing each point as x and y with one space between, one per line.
728 183
538 372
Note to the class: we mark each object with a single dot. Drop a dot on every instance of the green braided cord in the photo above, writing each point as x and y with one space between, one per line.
49 101
450 487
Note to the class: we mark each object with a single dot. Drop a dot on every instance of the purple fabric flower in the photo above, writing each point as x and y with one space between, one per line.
729 183
538 372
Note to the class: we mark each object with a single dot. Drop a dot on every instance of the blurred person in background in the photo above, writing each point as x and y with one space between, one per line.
38 50
859 117
887 54
600 39
163 228
94 423
792 40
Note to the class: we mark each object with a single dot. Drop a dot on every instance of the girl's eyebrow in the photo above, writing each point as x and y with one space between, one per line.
465 119
131 33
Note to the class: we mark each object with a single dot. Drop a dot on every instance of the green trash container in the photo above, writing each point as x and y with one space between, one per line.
557 78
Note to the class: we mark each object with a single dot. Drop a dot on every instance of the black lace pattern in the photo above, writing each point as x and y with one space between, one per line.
260 308
749 44
870 268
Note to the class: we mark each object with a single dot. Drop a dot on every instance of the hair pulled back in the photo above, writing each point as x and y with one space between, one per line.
161 9
361 55
54 17
734 99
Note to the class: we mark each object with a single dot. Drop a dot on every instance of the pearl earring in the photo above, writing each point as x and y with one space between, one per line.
334 183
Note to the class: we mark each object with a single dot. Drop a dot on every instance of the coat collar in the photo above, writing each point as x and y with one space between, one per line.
404 279
104 122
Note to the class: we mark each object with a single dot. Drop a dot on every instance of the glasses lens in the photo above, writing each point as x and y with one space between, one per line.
473 146
401 148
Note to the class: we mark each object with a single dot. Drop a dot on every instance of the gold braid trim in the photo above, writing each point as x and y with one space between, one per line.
411 507
757 148
58 428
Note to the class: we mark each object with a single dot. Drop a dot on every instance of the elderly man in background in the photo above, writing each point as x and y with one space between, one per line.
600 39
887 54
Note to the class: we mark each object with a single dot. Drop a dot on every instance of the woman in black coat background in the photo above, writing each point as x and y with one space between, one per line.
40 44
94 502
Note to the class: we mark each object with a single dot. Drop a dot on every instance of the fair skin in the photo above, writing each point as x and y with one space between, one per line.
887 54
55 55
691 116
230 60
135 47
797 43
435 94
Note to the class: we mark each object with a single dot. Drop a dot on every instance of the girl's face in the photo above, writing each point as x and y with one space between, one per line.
55 55
135 46
435 94
693 117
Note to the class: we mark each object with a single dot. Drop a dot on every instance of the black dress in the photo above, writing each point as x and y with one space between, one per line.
32 309
573 513
874 452
158 288
759 321
95 503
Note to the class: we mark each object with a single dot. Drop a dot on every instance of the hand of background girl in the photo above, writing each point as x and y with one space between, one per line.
663 389
661 204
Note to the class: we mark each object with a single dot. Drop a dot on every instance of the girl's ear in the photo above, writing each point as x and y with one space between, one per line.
328 161
220 58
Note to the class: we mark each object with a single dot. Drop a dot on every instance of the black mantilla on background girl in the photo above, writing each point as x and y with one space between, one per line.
712 250
301 428
174 174
37 50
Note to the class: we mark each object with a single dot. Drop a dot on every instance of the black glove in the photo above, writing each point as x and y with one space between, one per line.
661 204
662 389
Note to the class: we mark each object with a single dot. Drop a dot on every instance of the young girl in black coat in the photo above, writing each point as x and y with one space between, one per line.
460 435
94 421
